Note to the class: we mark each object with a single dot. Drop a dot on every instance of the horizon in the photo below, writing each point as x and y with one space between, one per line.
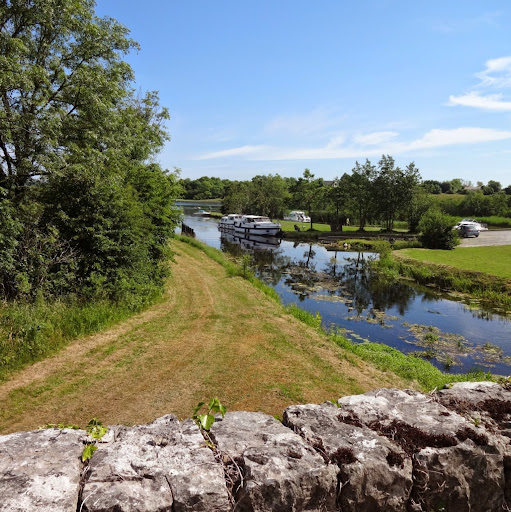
274 87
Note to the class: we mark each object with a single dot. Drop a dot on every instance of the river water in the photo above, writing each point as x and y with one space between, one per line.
453 335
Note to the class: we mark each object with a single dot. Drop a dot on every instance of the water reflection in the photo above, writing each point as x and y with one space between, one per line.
349 296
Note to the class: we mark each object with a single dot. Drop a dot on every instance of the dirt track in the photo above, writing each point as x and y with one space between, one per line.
493 237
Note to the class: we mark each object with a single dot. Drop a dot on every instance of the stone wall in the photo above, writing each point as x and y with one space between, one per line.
386 450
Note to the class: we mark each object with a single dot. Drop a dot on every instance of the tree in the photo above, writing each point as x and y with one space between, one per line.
237 198
420 203
493 187
87 211
268 195
310 192
361 191
393 189
432 186
338 195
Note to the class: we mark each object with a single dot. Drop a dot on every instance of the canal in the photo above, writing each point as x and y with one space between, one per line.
340 286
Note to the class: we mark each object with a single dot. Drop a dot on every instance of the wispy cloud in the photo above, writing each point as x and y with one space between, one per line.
433 139
475 99
371 139
318 121
466 135
467 24
240 151
496 75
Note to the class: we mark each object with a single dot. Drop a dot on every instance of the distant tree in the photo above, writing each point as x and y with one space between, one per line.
419 204
475 204
338 197
432 186
310 192
361 191
268 195
393 189
237 198
492 187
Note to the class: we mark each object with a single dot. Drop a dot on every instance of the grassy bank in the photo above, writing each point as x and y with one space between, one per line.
31 332
413 369
481 272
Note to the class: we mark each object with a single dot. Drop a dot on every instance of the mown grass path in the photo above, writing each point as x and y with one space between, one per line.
211 336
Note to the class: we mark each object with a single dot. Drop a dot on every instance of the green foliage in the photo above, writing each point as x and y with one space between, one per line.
96 431
206 421
437 230
83 212
264 195
304 316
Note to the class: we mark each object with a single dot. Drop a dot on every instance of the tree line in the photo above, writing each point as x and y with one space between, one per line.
379 193
84 210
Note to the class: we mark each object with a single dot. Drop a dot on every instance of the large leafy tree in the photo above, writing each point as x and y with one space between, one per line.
268 195
361 191
310 192
75 150
394 189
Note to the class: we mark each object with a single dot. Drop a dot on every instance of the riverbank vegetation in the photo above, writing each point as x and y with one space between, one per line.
480 272
86 214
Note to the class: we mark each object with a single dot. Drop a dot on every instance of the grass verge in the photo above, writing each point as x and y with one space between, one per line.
386 358
458 275
31 332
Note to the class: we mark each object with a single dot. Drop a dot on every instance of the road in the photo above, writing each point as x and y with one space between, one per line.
493 237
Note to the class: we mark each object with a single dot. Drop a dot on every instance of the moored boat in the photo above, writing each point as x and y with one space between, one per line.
227 222
202 213
256 225
297 216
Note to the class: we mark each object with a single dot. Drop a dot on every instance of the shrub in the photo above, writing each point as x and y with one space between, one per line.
437 230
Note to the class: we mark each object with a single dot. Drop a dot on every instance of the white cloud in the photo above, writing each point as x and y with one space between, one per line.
240 151
317 121
464 135
336 141
474 99
372 139
433 139
497 73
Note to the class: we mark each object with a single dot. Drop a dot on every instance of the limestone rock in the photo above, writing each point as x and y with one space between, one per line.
481 402
162 466
280 470
40 470
456 465
375 474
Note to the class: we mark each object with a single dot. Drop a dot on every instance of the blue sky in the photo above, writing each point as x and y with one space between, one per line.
277 86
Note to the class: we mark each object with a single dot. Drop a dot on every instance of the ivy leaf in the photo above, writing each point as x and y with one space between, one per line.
88 452
207 421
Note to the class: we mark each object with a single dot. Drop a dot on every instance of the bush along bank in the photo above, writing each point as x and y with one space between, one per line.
485 287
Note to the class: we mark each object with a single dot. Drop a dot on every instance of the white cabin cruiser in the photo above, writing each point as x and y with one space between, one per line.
297 216
227 222
202 213
256 225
